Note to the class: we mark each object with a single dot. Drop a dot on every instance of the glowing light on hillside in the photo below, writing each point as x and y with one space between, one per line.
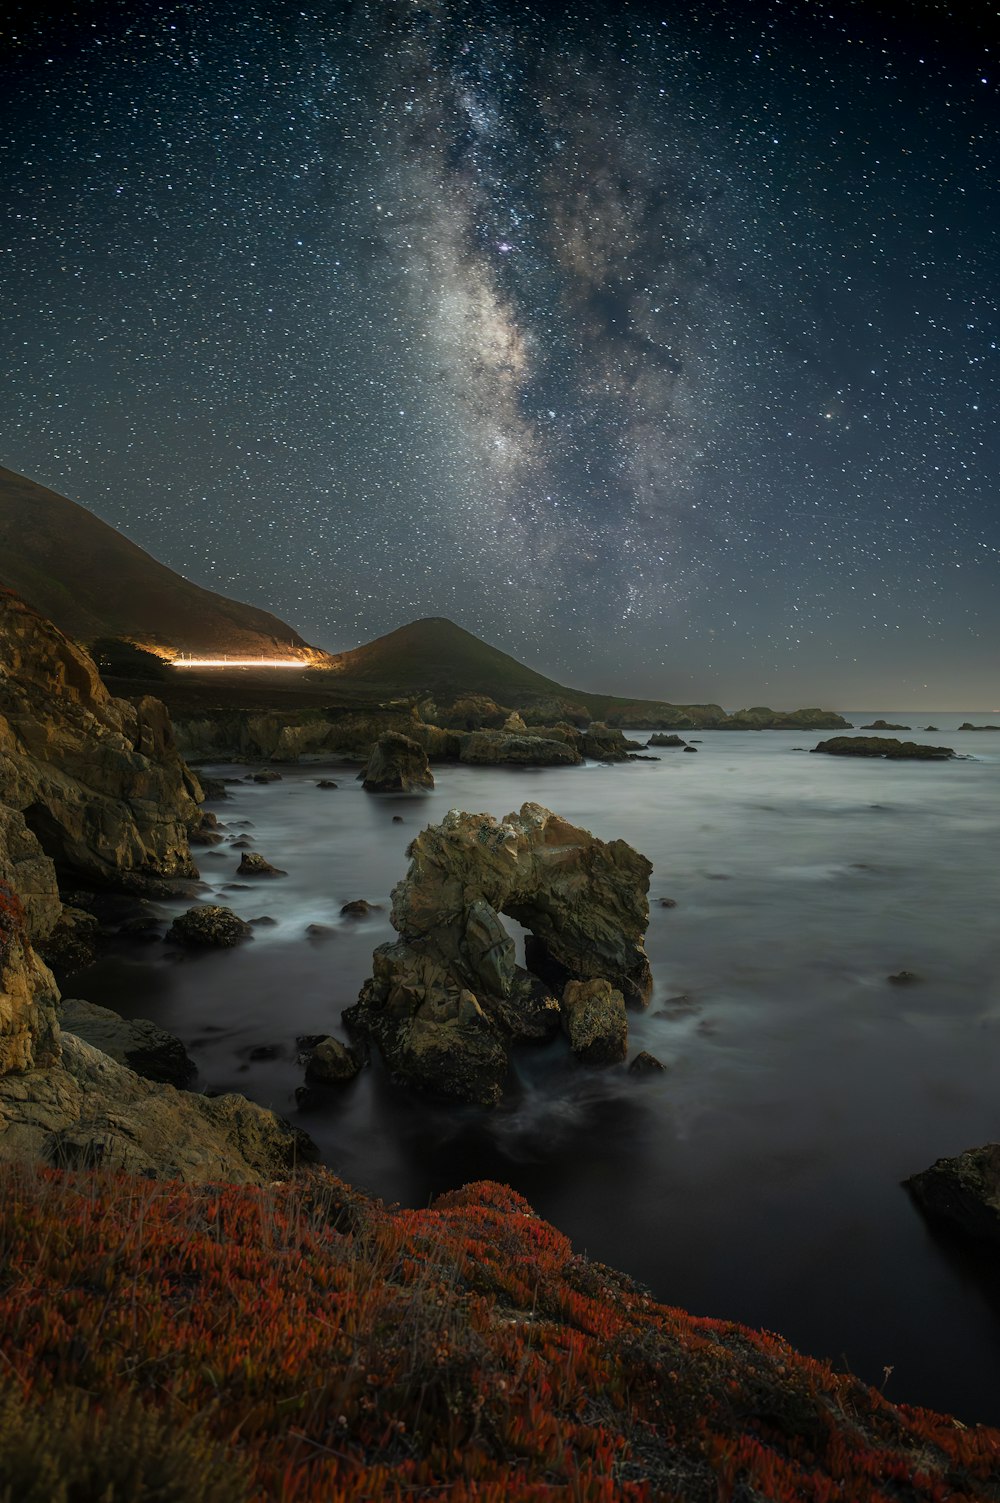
239 663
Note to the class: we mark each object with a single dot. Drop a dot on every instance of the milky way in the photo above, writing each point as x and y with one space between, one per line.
657 344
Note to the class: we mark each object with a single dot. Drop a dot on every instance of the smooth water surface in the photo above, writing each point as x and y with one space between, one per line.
758 1179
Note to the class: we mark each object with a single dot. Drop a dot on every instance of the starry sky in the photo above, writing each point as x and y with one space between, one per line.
655 343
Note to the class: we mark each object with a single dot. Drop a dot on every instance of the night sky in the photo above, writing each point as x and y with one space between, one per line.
657 344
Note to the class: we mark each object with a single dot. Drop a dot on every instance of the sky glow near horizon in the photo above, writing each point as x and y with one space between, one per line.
657 345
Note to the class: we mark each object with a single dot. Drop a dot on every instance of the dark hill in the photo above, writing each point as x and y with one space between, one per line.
93 582
437 657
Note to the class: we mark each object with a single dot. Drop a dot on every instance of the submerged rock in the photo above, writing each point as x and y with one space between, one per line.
358 908
646 1064
397 765
331 1063
254 865
208 927
446 999
883 746
135 1042
964 1191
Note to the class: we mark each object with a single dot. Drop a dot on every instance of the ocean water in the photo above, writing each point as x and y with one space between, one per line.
758 1178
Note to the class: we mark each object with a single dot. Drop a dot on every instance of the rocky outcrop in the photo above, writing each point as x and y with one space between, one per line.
885 725
968 726
135 1042
98 780
493 748
65 1103
397 765
763 718
447 998
883 746
606 744
471 712
963 1191
671 740
252 864
209 927
89 1112
28 993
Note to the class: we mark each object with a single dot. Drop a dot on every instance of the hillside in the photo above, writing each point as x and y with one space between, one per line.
437 657
93 582
168 1343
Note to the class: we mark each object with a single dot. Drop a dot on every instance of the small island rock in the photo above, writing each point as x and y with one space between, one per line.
964 1191
397 765
331 1063
883 746
254 865
209 926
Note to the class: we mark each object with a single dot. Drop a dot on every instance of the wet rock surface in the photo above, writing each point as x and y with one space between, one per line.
331 1063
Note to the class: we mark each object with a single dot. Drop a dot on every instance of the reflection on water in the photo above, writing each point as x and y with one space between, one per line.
758 1178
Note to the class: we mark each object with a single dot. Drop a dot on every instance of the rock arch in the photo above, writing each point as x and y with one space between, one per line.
447 998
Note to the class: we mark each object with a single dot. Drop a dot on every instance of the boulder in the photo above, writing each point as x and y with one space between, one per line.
134 1042
209 926
358 908
882 746
331 1063
646 1064
963 1191
446 999
267 775
594 1021
254 865
99 780
667 740
326 783
397 765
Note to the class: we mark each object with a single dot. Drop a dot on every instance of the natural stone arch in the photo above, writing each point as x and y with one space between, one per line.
448 997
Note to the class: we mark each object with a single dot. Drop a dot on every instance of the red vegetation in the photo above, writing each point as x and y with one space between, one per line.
12 923
304 1344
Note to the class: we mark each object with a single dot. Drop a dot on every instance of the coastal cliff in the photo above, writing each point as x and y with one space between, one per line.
99 780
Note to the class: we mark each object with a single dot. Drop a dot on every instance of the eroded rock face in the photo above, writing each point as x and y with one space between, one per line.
448 997
29 909
397 765
98 780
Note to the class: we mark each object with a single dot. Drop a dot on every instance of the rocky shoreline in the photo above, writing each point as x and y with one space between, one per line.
97 814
